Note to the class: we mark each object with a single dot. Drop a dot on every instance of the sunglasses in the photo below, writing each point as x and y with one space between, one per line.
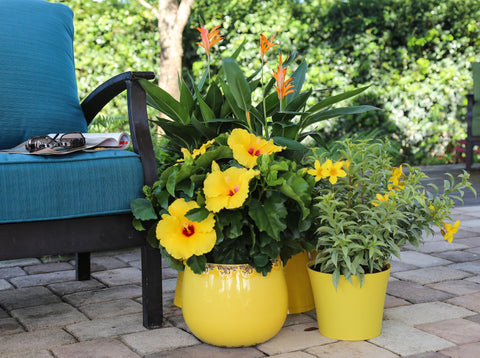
67 140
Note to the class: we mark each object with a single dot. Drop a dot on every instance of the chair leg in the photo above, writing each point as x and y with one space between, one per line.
82 265
152 287
468 155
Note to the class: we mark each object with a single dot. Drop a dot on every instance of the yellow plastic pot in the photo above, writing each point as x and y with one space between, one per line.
177 300
300 296
233 305
351 312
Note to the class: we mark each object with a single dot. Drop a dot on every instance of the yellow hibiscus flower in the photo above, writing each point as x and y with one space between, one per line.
183 238
449 229
227 189
247 147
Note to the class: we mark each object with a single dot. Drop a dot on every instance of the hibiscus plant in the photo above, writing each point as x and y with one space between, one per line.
367 209
234 200
240 195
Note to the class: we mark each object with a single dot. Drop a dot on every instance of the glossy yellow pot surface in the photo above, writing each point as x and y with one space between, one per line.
351 312
177 300
300 296
233 305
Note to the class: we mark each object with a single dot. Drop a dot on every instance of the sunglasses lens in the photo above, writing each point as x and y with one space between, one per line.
72 140
38 143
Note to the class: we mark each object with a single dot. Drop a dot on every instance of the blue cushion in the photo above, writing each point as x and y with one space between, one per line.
38 90
56 187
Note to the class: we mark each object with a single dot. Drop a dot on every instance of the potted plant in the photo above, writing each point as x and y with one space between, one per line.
267 103
367 210
230 212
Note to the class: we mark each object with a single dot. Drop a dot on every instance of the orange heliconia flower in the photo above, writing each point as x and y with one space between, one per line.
283 87
209 38
265 45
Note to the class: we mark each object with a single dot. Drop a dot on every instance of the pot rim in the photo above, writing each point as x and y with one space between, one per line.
311 263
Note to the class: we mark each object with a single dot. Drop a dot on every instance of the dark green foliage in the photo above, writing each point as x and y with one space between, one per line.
415 53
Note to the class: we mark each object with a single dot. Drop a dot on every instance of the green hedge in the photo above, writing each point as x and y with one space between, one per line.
417 54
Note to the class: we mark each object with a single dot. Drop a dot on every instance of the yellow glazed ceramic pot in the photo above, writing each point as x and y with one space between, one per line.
233 305
300 296
177 300
351 313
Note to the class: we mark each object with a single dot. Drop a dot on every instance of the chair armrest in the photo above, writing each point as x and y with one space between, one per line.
108 90
137 115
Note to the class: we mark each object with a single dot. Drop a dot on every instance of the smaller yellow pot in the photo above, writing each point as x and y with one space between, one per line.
177 300
351 312
300 296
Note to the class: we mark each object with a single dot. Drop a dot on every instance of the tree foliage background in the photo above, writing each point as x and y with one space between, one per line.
417 55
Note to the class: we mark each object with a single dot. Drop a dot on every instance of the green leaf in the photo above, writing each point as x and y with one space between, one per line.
337 112
152 238
143 209
207 112
261 260
197 263
238 84
162 197
172 262
269 216
197 214
233 103
186 98
137 224
298 80
289 143
335 99
164 102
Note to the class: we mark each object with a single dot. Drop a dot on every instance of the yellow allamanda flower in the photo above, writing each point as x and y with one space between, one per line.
333 171
381 198
183 238
247 147
203 148
449 229
318 172
397 180
227 189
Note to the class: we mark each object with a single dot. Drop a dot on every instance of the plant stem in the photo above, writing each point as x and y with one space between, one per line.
265 130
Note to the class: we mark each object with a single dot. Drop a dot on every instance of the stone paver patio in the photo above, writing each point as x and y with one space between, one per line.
432 309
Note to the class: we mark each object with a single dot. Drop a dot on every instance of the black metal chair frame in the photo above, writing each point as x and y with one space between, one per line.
98 233
471 140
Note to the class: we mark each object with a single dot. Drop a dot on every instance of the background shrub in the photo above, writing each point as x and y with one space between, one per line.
416 54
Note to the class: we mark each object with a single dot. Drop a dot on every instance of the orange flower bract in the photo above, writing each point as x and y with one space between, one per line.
209 38
265 44
283 87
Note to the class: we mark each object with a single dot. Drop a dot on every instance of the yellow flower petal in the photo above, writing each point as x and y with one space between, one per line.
381 198
227 189
183 238
317 172
203 148
450 230
247 147
333 171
